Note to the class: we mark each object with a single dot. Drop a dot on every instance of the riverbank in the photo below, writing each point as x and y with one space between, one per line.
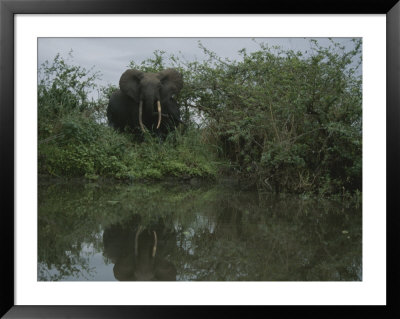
232 182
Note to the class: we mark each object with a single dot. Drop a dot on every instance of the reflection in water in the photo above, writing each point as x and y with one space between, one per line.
181 232
135 251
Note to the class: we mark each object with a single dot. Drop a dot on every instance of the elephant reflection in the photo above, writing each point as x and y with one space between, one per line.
134 250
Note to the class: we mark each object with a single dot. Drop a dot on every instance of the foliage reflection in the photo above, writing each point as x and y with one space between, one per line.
181 232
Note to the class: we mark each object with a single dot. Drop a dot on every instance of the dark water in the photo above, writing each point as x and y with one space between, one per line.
102 232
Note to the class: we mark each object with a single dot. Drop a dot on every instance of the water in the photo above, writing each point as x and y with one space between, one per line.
107 232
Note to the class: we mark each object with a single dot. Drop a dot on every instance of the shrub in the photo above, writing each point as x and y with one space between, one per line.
287 120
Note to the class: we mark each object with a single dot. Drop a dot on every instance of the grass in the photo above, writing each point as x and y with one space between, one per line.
86 148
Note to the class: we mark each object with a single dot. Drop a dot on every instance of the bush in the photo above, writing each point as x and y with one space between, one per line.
62 89
287 120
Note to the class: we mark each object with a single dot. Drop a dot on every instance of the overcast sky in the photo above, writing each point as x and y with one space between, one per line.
111 56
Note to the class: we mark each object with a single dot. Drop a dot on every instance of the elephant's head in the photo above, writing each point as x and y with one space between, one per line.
150 90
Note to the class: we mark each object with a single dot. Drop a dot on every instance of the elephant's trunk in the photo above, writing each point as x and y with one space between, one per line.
159 114
141 115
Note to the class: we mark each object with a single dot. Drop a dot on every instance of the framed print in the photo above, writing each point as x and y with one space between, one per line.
230 156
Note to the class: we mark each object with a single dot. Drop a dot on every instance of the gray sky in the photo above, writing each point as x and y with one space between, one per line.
111 56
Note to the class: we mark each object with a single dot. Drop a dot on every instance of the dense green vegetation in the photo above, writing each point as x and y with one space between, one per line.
282 120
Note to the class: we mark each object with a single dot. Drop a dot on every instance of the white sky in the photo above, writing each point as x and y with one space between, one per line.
111 56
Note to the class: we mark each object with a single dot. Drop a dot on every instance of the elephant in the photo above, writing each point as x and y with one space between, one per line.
146 100
135 251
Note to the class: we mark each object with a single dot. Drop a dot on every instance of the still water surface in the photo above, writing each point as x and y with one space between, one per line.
208 232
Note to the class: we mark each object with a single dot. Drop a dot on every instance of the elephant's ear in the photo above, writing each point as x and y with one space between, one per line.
172 80
129 83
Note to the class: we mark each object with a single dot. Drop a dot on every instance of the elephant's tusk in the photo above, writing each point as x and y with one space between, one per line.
159 113
140 115
155 244
137 239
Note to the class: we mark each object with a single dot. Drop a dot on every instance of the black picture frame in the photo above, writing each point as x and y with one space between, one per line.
9 8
